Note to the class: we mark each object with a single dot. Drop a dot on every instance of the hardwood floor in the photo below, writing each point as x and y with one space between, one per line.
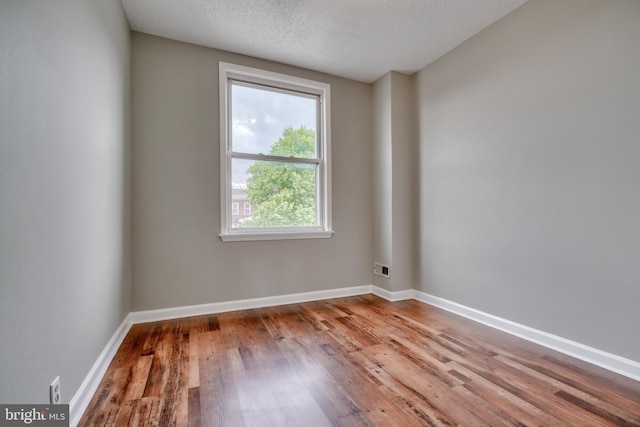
350 362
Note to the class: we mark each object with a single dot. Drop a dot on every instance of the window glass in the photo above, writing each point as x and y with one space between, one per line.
260 115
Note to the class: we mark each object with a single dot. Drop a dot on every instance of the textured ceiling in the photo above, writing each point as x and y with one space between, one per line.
357 39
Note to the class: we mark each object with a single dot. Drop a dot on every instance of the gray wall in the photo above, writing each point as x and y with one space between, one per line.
394 180
529 171
404 165
178 257
64 198
382 177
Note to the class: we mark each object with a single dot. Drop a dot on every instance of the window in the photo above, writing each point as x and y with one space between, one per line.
234 208
274 154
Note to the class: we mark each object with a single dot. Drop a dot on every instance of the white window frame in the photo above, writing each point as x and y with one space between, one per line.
246 208
235 209
229 72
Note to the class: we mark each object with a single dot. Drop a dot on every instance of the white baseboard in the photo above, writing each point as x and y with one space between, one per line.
245 304
82 398
627 367
392 295
84 394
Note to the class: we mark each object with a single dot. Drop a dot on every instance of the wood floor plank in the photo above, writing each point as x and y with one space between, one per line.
212 387
139 375
357 361
332 398
425 392
147 412
125 412
620 406
194 413
598 386
521 409
542 394
362 388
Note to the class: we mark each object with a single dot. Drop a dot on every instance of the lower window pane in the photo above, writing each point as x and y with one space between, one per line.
281 194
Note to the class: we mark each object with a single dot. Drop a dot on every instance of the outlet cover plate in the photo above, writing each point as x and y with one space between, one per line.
381 270
54 392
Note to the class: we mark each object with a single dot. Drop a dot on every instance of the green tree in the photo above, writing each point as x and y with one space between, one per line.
283 194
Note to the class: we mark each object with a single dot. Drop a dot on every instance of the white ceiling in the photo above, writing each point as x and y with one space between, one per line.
357 39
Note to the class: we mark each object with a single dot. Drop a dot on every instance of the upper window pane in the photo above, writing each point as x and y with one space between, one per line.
260 117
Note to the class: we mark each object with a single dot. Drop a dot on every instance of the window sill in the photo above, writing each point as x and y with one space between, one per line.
275 235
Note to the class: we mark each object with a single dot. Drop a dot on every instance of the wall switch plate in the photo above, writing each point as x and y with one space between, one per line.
381 270
54 392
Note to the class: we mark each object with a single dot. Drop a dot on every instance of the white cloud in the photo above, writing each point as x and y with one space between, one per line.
270 120
240 129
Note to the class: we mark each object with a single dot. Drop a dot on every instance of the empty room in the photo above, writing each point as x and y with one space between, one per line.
320 213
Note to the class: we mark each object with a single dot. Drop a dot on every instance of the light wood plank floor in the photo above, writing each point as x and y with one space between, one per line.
356 361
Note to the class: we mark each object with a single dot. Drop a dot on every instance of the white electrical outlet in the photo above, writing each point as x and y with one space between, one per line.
381 270
54 392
